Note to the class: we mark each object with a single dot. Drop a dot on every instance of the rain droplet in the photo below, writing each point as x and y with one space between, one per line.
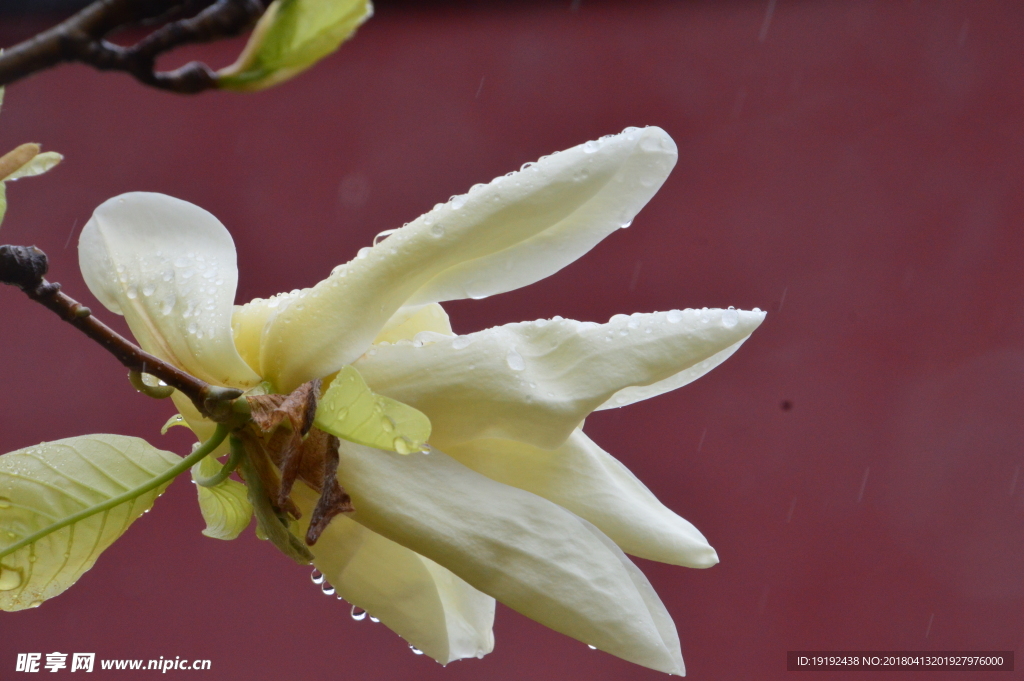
437 230
327 589
148 290
415 650
363 252
730 318
374 619
592 647
515 360
674 317
383 235
35 604
167 275
403 446
461 342
358 614
626 224
387 424
132 292
591 146
317 577
458 201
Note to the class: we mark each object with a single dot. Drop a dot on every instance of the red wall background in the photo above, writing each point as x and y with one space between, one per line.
854 168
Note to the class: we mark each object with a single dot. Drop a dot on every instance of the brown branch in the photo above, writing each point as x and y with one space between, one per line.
26 267
81 38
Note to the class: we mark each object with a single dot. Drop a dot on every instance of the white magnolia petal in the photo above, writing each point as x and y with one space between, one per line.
412 595
583 478
527 552
535 381
247 324
414 319
512 232
638 393
169 267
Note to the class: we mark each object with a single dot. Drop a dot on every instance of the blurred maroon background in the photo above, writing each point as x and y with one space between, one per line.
854 168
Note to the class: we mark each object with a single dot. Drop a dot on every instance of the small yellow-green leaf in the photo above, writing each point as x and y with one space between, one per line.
351 411
291 36
39 164
50 482
13 160
225 506
176 420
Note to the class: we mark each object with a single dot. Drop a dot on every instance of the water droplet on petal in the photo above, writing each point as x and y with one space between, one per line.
515 360
358 614
592 647
327 589
374 619
148 290
383 235
403 446
317 577
458 201
461 342
674 317
591 146
730 318
132 292
363 252
415 650
437 230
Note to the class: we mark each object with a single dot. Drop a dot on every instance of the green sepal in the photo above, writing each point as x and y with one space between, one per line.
353 412
225 506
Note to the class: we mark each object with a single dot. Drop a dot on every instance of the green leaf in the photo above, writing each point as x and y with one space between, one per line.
39 164
43 485
291 36
225 506
351 411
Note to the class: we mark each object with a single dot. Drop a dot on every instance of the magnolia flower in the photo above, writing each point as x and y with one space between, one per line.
512 501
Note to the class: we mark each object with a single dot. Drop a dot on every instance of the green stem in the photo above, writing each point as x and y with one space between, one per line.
172 472
222 475
273 526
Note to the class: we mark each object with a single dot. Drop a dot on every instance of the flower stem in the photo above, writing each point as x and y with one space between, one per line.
222 475
152 483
